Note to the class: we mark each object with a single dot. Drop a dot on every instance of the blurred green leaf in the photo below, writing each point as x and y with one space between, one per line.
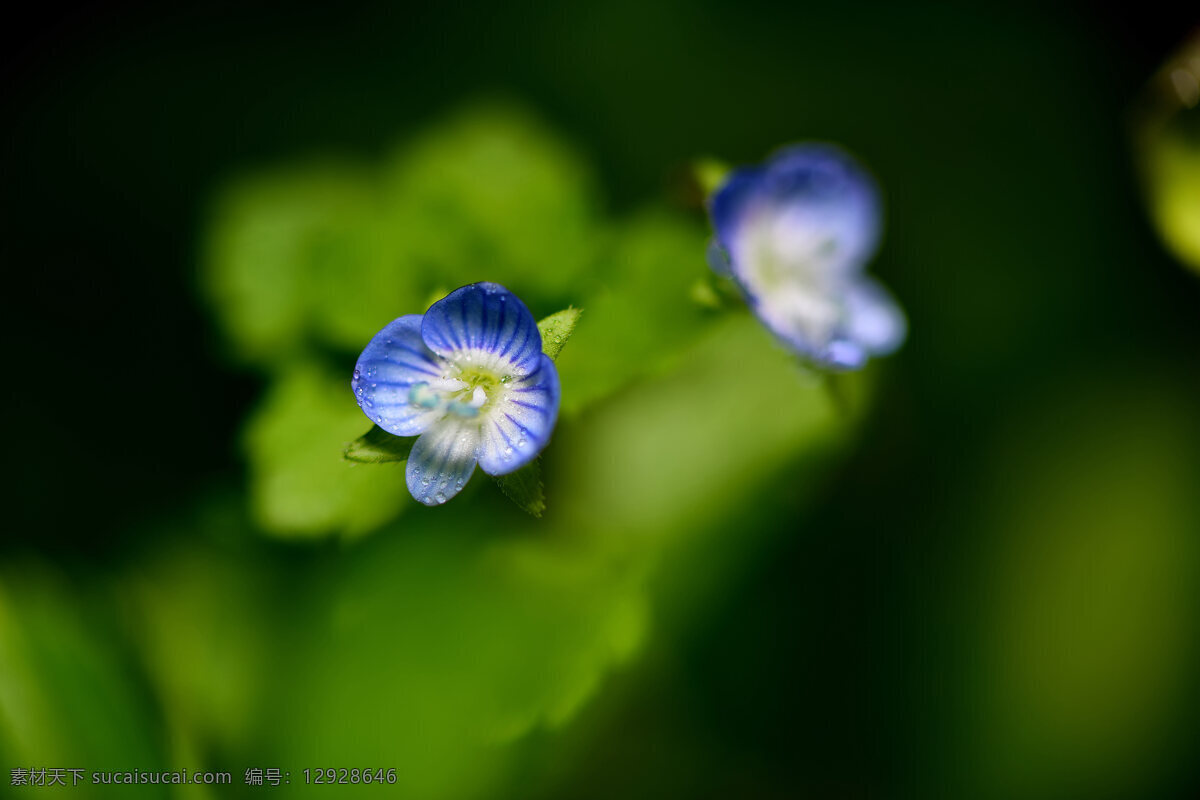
673 451
640 315
1174 180
377 446
180 598
303 257
1080 593
299 486
556 329
491 194
67 695
322 255
1167 139
524 487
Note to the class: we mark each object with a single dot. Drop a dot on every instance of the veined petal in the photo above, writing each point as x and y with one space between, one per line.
518 424
442 461
393 362
484 325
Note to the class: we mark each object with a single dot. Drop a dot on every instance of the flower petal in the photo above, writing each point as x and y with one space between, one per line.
873 319
442 461
842 354
486 325
831 204
797 312
393 361
810 212
839 327
517 427
729 203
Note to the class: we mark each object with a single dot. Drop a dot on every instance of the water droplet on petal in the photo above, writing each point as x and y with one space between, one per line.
440 497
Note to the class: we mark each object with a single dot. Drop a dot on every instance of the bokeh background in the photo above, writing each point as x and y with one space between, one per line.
979 577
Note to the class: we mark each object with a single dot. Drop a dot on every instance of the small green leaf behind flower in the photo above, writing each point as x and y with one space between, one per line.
524 487
377 446
556 329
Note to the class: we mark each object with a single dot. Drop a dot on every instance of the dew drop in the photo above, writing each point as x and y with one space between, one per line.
424 481
520 443
440 497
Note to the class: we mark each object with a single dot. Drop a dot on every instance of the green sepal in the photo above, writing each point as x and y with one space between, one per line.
524 487
377 446
710 174
556 329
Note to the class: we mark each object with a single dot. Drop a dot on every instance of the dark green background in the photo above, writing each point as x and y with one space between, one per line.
1016 240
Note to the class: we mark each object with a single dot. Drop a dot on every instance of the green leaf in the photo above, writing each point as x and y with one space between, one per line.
68 693
298 485
556 329
377 446
490 193
524 487
640 318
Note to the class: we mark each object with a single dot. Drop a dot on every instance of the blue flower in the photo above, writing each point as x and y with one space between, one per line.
795 235
470 377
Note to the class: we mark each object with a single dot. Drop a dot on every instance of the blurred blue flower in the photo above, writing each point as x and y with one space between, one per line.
469 376
795 235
